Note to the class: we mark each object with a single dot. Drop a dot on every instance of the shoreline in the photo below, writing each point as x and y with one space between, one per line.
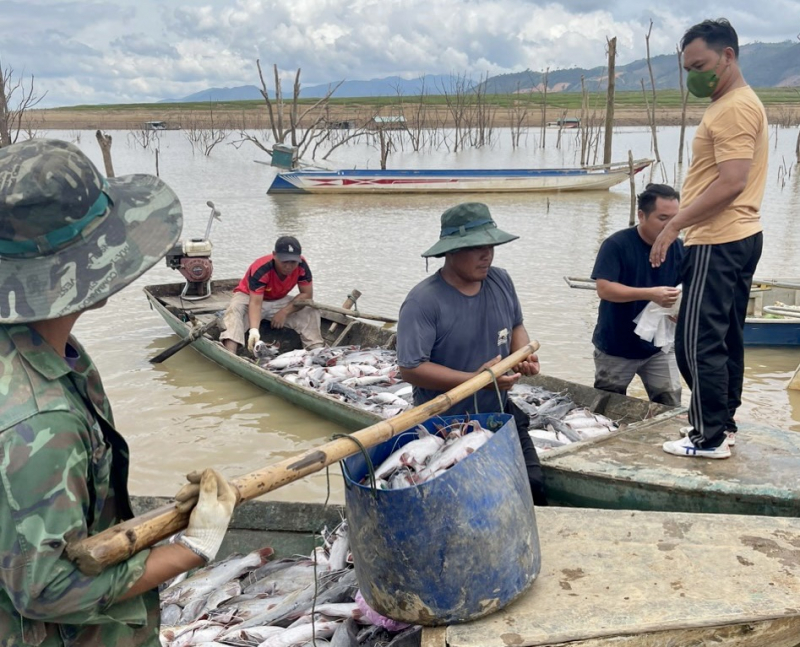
256 117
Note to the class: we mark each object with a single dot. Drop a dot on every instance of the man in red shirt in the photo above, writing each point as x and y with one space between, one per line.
263 293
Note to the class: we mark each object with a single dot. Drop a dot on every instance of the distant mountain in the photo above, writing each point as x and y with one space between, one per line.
763 64
390 86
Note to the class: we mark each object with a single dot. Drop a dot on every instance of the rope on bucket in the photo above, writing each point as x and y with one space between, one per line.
370 468
496 389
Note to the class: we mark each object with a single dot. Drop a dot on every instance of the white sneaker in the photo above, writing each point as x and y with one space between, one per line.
730 435
685 447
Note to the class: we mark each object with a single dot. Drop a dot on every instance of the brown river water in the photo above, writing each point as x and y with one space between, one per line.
188 413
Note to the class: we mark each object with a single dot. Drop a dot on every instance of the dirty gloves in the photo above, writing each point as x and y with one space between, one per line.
211 515
252 338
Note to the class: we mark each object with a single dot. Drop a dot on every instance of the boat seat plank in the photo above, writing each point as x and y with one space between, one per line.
609 573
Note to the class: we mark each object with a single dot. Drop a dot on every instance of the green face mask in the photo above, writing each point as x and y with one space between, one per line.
702 84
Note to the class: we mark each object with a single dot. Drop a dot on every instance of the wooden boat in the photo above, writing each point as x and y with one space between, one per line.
177 312
609 578
626 469
588 178
773 318
565 123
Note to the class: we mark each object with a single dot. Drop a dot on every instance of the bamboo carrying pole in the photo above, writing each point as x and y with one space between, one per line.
120 542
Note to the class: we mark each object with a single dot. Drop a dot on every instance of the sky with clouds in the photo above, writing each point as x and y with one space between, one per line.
125 51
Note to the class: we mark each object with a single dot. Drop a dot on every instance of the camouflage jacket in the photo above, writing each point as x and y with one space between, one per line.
63 476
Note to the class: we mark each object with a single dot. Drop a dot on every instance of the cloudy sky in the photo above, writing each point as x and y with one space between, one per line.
125 51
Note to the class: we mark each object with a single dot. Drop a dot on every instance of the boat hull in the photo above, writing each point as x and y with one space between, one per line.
629 470
452 181
771 332
626 469
760 326
609 578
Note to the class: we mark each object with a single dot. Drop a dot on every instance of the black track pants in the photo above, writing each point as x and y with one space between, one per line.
709 339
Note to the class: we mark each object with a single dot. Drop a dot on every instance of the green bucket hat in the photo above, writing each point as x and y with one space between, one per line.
468 225
70 238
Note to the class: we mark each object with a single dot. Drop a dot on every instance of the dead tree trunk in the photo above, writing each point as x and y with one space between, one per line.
652 111
544 105
612 82
105 148
15 101
584 119
386 146
632 174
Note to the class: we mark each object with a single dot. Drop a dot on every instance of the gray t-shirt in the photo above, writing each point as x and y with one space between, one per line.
440 324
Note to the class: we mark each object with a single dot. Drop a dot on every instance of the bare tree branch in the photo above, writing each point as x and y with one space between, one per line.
16 99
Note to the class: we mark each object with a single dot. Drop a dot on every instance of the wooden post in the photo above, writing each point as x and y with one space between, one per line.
120 542
584 119
105 148
632 173
652 113
612 82
349 302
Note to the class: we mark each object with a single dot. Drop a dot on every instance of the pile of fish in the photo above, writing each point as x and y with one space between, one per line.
249 601
429 455
555 420
366 378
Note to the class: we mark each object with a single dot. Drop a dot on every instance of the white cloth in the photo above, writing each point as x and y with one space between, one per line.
656 324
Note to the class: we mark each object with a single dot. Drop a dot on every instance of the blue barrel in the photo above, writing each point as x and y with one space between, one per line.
452 549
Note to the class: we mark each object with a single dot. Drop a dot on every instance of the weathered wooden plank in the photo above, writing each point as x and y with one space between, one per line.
650 578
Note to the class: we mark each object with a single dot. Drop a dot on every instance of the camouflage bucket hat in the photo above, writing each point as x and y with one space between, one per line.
70 238
468 225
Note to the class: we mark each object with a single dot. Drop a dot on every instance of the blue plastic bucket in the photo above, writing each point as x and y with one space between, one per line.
452 549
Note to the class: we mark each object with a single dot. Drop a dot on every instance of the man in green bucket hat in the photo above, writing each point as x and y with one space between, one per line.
70 239
465 318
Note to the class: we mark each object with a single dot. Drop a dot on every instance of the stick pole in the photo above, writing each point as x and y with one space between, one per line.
120 542
343 311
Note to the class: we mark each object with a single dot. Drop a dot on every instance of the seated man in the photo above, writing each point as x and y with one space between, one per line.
626 282
263 293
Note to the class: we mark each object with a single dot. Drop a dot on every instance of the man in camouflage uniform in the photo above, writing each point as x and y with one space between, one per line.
69 239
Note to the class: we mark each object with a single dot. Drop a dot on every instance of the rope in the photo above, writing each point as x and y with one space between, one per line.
370 468
496 388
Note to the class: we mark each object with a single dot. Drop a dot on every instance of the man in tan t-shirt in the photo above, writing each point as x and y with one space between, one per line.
720 215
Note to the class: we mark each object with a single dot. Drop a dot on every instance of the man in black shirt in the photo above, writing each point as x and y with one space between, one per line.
626 282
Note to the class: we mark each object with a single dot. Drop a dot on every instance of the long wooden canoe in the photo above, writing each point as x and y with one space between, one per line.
625 470
395 181
609 578
166 300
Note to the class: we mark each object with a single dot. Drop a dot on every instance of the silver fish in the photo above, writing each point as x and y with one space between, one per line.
211 578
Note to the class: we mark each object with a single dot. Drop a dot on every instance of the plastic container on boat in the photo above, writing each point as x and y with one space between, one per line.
454 548
284 156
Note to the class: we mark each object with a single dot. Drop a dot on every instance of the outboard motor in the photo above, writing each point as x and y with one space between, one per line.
192 258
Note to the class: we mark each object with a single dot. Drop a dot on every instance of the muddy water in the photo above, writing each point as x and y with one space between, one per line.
188 413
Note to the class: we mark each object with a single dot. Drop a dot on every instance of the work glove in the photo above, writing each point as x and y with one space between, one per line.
213 499
253 337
